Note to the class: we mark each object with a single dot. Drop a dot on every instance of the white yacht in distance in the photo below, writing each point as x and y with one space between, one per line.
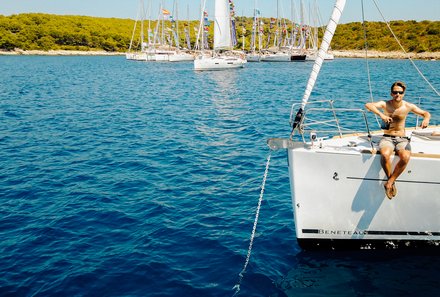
221 58
283 57
138 55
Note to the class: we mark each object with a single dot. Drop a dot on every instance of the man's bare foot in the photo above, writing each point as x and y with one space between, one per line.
389 191
394 190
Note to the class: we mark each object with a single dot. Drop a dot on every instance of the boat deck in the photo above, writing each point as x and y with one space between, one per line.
424 143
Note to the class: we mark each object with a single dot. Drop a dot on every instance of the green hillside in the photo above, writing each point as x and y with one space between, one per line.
414 36
38 31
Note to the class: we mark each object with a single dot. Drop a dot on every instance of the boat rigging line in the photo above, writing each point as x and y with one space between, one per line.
370 88
254 229
366 51
401 47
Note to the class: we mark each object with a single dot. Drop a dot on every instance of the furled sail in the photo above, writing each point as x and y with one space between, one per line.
222 25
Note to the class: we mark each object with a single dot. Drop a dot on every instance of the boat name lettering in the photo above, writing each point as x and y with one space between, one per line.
343 232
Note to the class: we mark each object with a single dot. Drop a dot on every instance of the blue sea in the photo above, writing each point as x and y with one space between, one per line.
122 178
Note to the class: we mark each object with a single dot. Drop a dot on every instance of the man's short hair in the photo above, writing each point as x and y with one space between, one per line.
399 84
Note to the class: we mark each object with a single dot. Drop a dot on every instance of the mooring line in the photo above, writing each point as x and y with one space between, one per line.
251 242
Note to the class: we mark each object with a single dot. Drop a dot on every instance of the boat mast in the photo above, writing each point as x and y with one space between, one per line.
149 24
302 42
295 27
260 28
177 37
134 28
254 29
277 34
201 47
162 38
290 33
142 26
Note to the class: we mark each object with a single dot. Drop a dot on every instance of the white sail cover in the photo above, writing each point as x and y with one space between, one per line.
222 25
328 35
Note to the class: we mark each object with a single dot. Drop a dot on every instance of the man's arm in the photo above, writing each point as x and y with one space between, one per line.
425 114
374 107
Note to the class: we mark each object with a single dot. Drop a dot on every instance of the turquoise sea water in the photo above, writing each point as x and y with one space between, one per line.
120 178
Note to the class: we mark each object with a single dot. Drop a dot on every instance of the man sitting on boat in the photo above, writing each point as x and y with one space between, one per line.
393 115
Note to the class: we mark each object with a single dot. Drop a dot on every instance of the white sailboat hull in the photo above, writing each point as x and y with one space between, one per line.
339 200
218 63
180 57
253 58
314 56
282 57
130 56
139 56
161 57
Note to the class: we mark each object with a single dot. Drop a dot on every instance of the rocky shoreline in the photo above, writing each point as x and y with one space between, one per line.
19 52
385 55
336 53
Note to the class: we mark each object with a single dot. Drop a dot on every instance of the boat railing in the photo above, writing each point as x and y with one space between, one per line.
327 121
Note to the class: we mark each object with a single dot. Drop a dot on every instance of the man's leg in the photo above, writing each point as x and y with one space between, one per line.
404 156
385 160
386 165
386 147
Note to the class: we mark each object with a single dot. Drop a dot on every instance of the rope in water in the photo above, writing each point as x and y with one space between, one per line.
251 242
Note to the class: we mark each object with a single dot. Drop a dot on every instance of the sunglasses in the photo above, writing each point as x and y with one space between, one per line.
397 92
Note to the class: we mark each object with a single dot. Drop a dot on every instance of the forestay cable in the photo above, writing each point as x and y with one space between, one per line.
366 51
366 59
251 241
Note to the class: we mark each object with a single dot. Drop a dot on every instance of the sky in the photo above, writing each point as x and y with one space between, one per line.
128 9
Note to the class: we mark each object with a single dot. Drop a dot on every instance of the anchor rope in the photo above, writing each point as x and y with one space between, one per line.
254 228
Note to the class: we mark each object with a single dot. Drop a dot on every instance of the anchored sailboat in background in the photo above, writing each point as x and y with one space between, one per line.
337 180
285 52
138 55
159 45
224 40
178 55
257 37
